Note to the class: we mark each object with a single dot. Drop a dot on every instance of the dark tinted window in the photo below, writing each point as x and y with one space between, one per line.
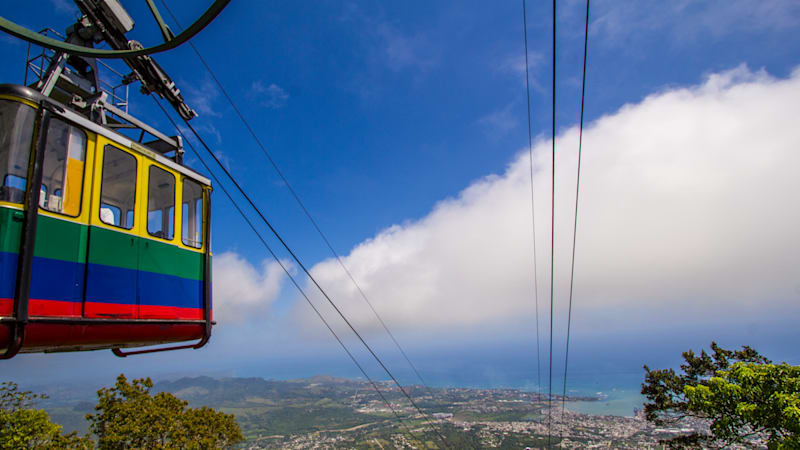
118 189
192 231
16 132
161 203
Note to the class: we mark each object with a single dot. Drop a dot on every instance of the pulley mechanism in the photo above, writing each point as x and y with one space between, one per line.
107 21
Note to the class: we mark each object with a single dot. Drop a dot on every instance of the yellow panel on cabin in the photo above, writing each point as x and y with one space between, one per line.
72 187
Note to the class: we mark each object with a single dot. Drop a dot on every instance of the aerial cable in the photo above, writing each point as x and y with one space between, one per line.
308 214
575 223
552 241
299 202
533 214
288 273
53 44
311 277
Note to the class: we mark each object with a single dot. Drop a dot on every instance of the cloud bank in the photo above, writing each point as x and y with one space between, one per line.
689 216
242 291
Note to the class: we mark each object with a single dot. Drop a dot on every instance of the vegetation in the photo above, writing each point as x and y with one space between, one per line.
741 396
128 416
327 412
22 426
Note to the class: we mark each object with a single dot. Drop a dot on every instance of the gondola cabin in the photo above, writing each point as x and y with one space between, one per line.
104 242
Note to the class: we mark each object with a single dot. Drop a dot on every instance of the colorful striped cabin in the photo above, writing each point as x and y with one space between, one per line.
113 262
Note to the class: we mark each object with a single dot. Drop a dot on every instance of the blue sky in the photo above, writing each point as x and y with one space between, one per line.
402 127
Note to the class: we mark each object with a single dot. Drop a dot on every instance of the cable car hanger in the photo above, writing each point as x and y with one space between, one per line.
170 41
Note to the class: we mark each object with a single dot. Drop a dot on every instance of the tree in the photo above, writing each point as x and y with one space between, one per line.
128 416
22 426
741 396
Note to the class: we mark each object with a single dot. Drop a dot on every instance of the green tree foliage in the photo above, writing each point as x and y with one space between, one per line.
128 416
22 426
742 396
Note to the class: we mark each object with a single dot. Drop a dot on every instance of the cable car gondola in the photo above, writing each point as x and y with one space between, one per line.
104 239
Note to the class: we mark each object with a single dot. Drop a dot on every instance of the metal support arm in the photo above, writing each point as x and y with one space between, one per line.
28 238
53 44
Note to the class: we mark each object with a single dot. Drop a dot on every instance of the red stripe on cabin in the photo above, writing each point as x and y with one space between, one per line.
57 308
40 308
97 310
53 308
169 312
6 306
115 310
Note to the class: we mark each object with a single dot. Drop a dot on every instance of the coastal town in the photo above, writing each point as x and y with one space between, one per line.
346 413
331 412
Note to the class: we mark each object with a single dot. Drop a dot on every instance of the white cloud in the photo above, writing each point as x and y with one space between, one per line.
9 40
203 129
64 6
201 98
689 214
515 66
402 51
687 20
272 96
499 122
243 292
223 158
390 46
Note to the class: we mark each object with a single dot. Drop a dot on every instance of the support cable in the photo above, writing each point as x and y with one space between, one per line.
552 243
575 223
300 202
533 209
311 277
288 273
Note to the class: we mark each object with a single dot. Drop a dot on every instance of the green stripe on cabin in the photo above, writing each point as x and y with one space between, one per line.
60 239
55 239
168 259
67 241
10 229
112 248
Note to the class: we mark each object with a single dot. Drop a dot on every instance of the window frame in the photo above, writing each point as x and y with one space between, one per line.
174 201
135 189
85 165
27 151
199 220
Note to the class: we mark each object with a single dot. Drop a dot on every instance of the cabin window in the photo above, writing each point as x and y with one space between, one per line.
161 203
16 133
62 171
118 188
192 199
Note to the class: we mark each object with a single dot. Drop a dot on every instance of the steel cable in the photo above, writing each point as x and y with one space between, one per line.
552 242
311 277
287 272
575 223
300 202
533 209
